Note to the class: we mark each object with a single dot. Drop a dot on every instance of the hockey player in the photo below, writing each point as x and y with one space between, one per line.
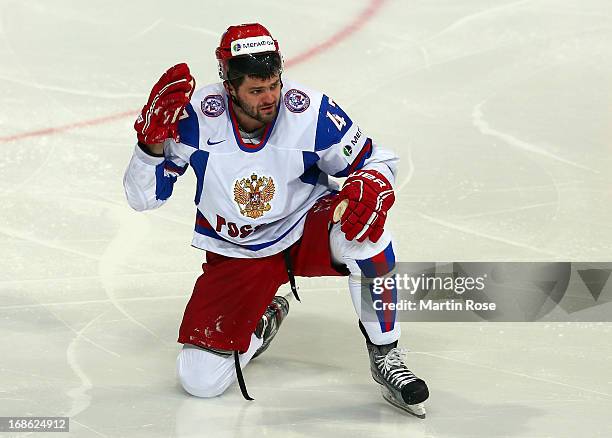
262 148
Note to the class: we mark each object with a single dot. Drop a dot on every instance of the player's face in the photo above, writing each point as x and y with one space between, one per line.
259 97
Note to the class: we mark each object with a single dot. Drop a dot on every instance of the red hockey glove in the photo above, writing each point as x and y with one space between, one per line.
159 117
370 196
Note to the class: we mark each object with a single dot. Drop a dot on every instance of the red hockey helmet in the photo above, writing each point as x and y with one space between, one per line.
253 48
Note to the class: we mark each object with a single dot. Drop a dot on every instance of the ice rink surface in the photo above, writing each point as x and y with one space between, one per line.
500 112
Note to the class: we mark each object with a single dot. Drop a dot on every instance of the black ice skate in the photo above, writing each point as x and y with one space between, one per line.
400 386
270 322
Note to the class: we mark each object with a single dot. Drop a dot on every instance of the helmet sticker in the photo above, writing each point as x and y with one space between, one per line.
256 44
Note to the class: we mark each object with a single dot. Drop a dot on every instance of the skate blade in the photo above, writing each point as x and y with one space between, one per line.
417 410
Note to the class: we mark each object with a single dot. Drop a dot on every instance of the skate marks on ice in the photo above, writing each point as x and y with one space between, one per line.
493 237
482 125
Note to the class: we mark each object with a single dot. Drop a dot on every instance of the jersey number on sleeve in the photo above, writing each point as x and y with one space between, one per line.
337 120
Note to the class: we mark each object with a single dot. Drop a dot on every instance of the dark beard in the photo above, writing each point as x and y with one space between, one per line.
252 113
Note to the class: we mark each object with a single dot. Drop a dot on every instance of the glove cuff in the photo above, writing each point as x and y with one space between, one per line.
147 150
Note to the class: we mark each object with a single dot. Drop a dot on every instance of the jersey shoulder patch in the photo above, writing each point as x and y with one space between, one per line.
213 105
209 101
296 101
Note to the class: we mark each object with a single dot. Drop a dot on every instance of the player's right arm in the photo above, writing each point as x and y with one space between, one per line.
157 160
149 178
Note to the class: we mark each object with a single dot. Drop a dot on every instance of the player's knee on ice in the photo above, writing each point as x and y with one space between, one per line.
204 374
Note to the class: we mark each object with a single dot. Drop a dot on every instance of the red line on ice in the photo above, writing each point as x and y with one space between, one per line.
339 36
64 128
355 25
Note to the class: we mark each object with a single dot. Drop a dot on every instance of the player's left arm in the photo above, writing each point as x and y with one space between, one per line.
346 151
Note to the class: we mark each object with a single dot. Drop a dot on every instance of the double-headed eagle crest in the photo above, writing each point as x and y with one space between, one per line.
253 195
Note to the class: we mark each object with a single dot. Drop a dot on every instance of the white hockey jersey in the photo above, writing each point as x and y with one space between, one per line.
252 199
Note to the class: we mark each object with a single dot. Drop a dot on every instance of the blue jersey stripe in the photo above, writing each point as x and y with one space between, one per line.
172 167
189 129
364 154
311 170
198 161
163 183
332 124
202 227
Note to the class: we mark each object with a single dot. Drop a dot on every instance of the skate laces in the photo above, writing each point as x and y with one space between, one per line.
395 358
393 364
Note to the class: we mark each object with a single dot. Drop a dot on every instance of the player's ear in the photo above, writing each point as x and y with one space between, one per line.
230 89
